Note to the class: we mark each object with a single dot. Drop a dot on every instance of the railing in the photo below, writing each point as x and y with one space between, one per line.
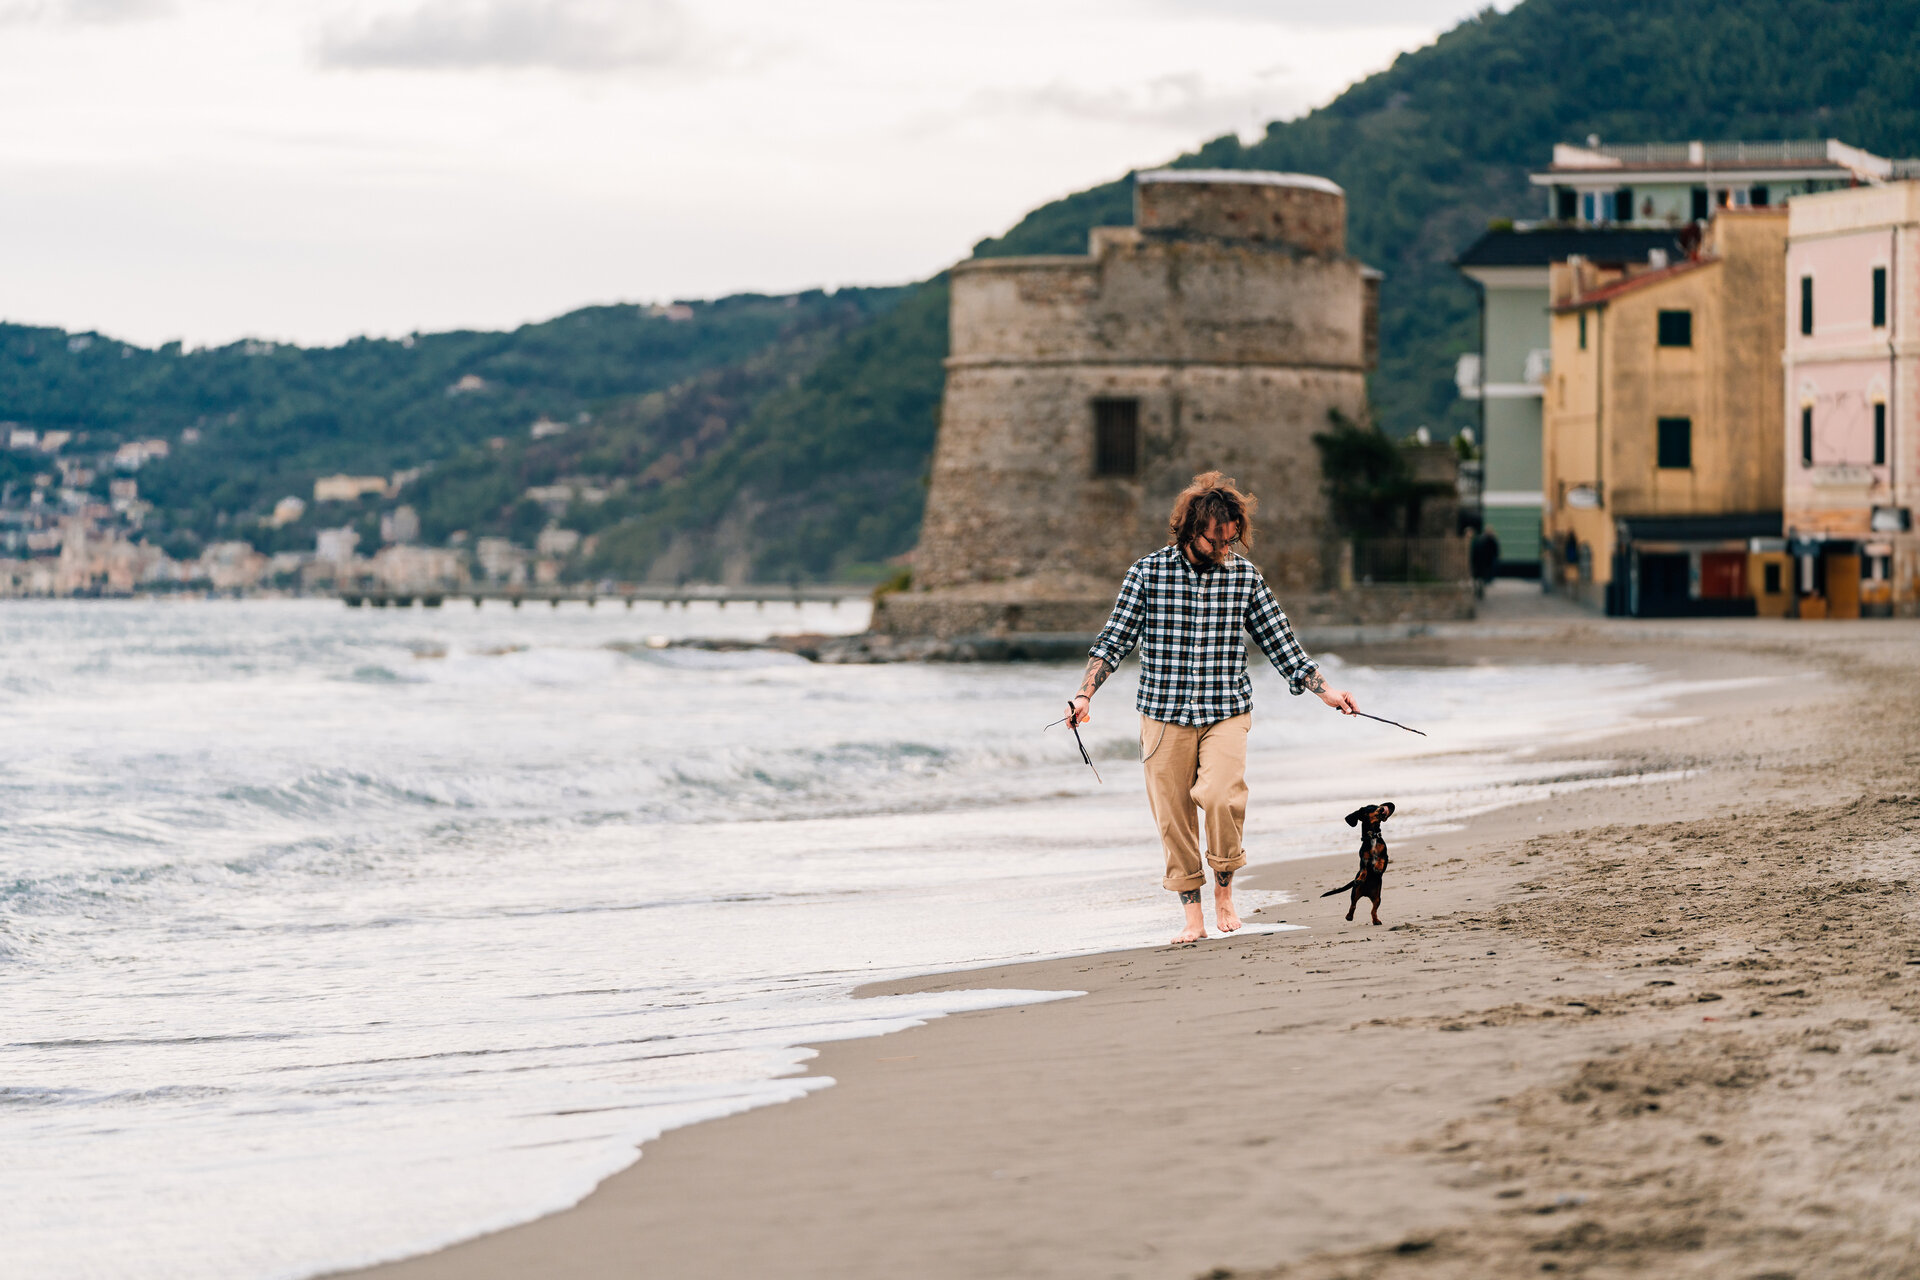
433 596
1646 152
1791 151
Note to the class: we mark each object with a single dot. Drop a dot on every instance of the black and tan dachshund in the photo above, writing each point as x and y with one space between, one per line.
1373 857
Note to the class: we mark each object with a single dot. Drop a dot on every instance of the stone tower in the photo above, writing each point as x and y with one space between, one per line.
1084 392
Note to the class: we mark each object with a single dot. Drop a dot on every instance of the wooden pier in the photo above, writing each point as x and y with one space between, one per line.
622 594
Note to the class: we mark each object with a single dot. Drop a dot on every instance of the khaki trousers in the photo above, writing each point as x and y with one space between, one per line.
1203 767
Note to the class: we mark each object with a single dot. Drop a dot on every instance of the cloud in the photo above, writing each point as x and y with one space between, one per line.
566 35
1316 14
1183 101
82 12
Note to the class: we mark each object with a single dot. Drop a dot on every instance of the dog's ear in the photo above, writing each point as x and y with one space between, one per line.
1353 819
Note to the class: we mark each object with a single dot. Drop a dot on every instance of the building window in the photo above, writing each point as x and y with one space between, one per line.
1699 204
1623 205
1568 207
1676 328
1806 435
1771 573
1806 304
1583 331
1675 444
1116 437
1880 434
1758 197
1879 297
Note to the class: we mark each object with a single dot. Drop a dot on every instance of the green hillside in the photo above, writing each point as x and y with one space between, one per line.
270 417
783 437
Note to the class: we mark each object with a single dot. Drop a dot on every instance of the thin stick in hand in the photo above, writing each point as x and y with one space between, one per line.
1395 723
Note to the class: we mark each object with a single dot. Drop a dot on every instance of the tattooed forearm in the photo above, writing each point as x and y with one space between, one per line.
1316 683
1097 673
1223 878
1189 896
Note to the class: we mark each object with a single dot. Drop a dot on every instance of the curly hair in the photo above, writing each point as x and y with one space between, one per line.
1211 497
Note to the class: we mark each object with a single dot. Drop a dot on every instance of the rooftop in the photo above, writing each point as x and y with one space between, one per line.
1525 247
1628 284
1245 177
1803 155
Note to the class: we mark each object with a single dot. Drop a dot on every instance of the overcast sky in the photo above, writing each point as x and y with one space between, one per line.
307 170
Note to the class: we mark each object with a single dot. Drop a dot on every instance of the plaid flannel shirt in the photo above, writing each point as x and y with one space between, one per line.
1193 662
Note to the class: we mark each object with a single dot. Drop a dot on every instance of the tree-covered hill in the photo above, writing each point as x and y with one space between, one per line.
776 437
269 417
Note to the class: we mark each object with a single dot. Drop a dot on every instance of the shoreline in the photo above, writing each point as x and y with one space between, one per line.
1225 1105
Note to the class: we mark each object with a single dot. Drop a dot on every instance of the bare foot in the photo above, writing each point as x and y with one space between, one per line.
1223 911
1196 927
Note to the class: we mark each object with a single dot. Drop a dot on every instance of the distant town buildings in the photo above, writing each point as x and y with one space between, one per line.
400 525
1852 392
137 453
348 488
1663 482
1508 375
337 546
1661 422
556 541
58 537
1676 183
500 560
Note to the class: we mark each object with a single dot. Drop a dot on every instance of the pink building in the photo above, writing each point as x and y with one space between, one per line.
1852 395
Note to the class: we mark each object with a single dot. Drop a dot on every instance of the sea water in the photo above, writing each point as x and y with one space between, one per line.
329 936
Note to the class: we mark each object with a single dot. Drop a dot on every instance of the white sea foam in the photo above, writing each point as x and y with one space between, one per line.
329 935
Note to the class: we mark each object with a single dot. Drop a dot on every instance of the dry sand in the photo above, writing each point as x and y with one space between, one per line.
1669 1029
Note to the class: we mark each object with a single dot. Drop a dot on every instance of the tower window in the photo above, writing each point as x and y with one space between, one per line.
1879 297
1806 304
1116 437
1676 328
1880 433
1675 447
1583 331
1806 435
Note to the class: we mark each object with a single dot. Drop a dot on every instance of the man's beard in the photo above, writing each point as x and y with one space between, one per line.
1202 562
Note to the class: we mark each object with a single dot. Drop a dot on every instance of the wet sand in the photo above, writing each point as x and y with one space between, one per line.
1671 1028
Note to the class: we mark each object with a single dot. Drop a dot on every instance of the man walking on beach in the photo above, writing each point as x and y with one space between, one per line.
1190 601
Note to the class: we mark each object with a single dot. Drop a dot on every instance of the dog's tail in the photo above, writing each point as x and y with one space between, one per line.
1343 888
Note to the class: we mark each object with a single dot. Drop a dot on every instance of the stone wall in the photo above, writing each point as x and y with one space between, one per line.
1013 492
1287 208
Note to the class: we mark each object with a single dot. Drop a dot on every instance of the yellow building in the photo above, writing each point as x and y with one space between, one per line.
348 488
1662 469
